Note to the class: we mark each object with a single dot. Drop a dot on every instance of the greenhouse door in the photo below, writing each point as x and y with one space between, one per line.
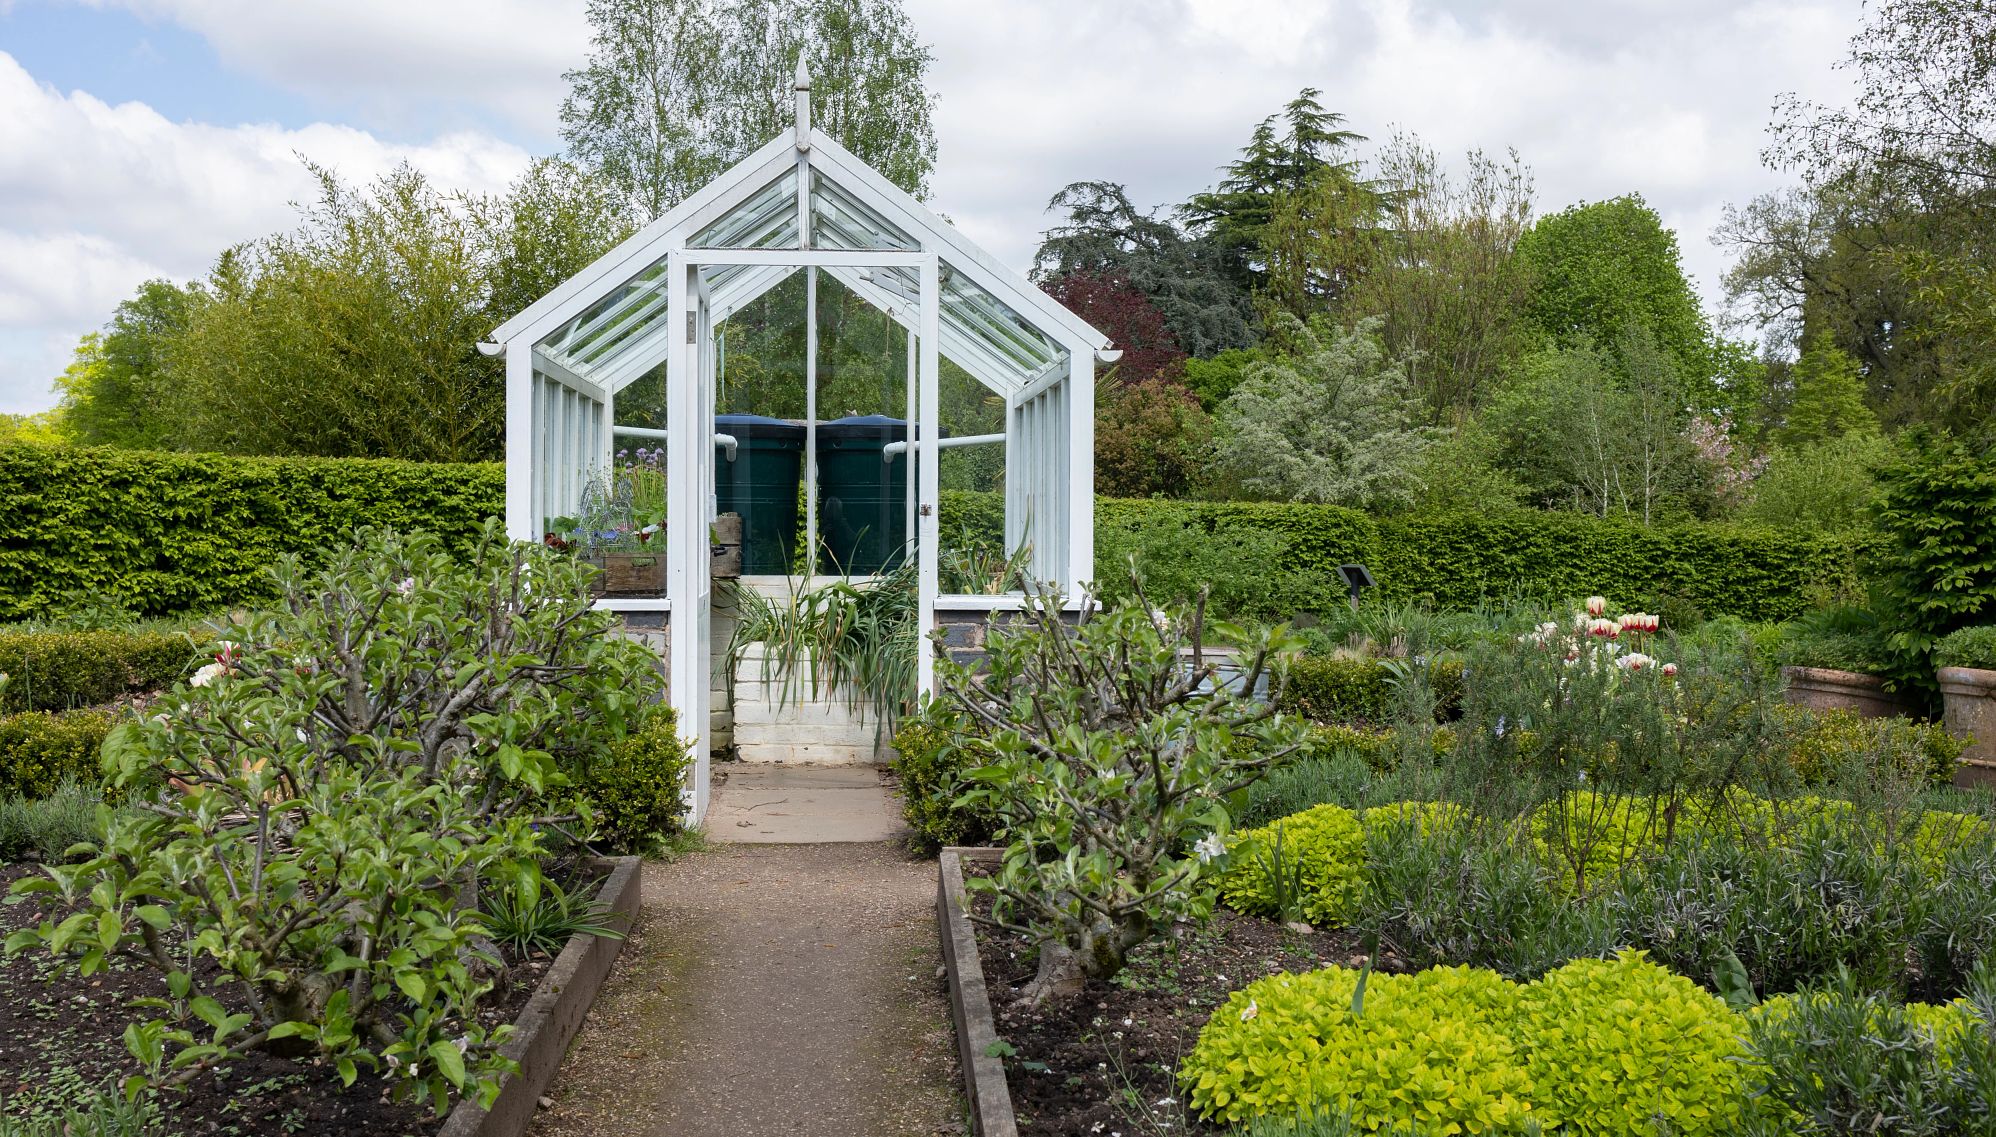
690 515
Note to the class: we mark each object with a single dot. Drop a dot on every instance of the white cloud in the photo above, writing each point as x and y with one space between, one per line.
95 199
1664 97
390 57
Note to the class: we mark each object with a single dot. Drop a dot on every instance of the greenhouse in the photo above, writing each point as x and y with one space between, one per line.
805 346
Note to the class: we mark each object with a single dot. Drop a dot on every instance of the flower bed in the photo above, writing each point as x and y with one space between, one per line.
61 1037
1108 1059
1631 885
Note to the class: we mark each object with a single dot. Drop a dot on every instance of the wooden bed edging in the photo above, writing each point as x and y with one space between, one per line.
990 1099
547 1024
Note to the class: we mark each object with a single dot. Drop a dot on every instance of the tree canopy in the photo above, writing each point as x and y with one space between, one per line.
676 91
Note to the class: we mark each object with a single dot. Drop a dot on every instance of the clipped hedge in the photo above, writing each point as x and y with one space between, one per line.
1457 560
53 671
634 787
172 533
1328 689
40 750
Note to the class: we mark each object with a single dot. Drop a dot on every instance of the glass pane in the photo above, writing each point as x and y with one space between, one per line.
840 221
766 219
991 324
596 339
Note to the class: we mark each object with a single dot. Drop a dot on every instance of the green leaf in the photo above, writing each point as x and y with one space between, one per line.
413 985
208 1011
449 1060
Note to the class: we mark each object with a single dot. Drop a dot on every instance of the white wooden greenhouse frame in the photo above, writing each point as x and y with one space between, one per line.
801 202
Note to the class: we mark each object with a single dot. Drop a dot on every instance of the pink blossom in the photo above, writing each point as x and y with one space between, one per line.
1670 669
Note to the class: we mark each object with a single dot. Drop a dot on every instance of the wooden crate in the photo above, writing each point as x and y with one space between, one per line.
630 574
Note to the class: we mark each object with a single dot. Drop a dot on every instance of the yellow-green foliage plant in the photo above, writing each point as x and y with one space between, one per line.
1613 1047
1425 818
1322 849
1591 836
1425 1050
1828 743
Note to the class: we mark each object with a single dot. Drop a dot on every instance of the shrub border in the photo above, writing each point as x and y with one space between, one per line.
984 1084
554 1013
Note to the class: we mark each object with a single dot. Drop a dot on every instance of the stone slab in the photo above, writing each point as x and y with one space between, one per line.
771 803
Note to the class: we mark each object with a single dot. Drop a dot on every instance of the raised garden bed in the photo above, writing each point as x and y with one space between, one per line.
60 1035
1105 1062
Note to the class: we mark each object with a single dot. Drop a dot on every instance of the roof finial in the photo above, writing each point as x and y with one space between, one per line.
803 104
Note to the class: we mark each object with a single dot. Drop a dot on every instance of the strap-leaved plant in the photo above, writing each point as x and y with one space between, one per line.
1116 740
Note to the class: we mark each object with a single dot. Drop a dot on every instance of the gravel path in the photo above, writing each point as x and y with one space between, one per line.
771 989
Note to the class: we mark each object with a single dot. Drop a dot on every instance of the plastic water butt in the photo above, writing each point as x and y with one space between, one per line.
760 483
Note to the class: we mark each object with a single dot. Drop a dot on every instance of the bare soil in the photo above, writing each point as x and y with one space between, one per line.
1107 1062
61 1035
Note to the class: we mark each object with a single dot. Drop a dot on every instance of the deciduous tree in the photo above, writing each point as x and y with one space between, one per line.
1328 420
676 91
1604 269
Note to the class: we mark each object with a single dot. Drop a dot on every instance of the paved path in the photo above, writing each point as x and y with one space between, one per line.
772 989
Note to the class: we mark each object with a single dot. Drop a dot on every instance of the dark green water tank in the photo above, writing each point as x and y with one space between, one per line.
761 485
862 499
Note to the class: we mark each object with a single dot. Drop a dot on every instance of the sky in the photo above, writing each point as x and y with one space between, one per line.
139 138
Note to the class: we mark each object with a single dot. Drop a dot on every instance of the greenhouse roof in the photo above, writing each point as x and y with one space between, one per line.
606 327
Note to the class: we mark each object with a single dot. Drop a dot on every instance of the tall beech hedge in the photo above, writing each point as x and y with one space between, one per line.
169 533
1456 560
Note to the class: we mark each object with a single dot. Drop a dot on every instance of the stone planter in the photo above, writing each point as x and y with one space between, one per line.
553 1014
1824 689
1969 702
984 1086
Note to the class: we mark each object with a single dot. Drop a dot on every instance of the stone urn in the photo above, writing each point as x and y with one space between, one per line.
1826 689
1968 697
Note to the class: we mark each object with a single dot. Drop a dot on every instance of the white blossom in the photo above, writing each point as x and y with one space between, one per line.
1209 848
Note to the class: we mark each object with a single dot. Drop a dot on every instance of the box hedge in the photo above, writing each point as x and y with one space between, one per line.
1330 689
56 670
171 533
40 750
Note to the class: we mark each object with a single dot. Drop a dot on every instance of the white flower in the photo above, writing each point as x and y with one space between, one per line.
1162 619
407 586
1209 847
1634 661
207 675
1251 1010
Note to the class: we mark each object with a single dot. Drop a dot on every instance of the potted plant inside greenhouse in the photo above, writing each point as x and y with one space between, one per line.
1967 674
620 525
1836 657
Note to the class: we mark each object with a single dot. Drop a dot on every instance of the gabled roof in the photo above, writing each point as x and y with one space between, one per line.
605 325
